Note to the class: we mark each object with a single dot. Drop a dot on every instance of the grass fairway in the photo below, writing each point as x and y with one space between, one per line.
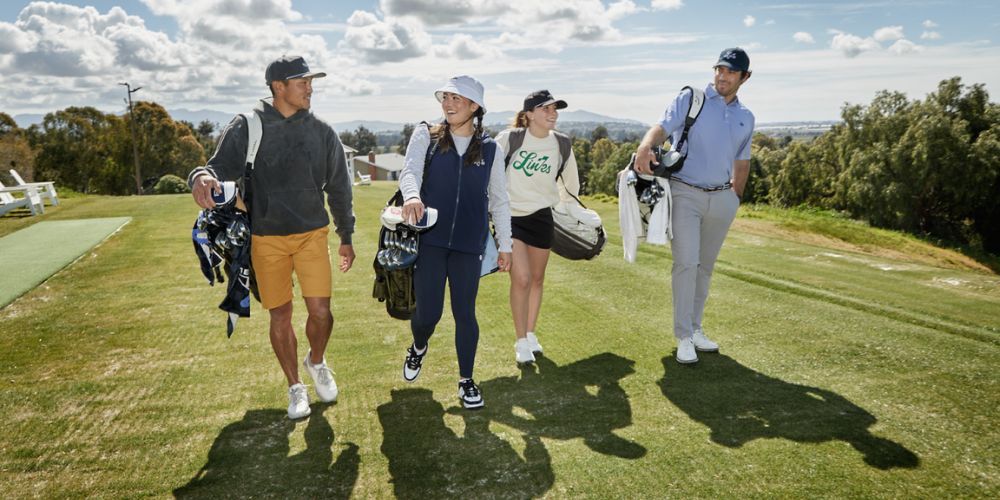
842 374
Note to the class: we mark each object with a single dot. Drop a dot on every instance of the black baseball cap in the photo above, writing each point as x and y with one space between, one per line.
735 59
541 98
287 68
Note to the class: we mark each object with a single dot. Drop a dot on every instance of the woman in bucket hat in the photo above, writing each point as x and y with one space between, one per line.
538 177
463 179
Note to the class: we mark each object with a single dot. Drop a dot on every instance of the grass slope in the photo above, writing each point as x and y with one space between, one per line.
842 374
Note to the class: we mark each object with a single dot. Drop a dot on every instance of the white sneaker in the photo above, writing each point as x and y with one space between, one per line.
413 362
533 342
685 351
469 393
298 402
522 352
702 343
322 377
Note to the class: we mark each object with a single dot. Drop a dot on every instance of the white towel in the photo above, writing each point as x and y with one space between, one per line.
660 232
628 217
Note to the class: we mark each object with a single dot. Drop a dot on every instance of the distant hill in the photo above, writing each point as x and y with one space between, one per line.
219 118
373 125
26 120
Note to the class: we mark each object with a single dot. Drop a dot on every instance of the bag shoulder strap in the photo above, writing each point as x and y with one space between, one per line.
565 150
254 133
694 110
697 103
514 141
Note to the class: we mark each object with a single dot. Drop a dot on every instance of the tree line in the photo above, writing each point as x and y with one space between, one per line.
929 167
89 151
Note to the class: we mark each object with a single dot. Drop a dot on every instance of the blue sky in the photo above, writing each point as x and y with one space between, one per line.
621 58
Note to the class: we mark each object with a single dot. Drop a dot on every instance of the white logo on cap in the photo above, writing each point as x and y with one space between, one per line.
729 55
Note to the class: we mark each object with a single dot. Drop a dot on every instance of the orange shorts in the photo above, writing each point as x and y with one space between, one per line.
275 257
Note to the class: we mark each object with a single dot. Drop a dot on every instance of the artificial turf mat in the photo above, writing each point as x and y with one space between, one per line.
29 256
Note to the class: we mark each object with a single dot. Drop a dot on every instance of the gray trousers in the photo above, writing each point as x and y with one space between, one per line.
700 221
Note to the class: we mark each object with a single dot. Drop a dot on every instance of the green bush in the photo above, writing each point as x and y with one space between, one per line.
171 184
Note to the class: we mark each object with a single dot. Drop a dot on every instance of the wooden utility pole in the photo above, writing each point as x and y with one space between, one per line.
135 143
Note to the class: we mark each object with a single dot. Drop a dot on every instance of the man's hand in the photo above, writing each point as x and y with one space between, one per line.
204 186
413 210
643 156
346 253
503 262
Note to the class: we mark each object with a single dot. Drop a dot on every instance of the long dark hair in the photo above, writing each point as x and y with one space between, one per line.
474 154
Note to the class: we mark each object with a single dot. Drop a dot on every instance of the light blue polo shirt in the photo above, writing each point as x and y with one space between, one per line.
720 136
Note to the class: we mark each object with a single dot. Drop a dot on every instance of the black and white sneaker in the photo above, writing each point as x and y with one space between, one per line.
469 393
411 367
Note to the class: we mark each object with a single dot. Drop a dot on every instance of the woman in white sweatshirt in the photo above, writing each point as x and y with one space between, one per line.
538 177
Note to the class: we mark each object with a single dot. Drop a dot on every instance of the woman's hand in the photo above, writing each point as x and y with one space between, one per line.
503 262
413 210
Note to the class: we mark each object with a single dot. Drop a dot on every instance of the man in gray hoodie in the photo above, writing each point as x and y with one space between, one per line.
300 159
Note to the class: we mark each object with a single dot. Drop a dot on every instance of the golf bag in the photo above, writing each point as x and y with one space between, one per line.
393 264
578 233
221 236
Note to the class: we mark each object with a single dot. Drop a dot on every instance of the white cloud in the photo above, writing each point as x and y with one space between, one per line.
13 40
930 35
929 24
385 41
622 8
216 59
803 37
250 11
889 33
464 46
770 22
851 45
749 21
904 46
444 12
666 4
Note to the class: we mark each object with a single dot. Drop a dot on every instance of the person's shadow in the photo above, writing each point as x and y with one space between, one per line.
583 399
250 459
427 459
739 405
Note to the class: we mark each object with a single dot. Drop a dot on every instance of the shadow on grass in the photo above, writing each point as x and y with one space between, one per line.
739 405
250 459
427 459
583 399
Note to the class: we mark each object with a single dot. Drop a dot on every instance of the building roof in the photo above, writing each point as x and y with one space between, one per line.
349 150
391 162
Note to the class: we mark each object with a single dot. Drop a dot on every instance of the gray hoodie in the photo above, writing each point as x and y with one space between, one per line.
299 159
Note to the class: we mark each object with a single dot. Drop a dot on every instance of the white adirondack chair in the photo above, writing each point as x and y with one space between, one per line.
364 180
30 199
46 189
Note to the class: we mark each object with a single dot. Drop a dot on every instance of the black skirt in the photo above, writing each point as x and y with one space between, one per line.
535 229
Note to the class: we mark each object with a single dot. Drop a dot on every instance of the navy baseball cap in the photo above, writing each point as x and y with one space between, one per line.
735 59
289 67
541 98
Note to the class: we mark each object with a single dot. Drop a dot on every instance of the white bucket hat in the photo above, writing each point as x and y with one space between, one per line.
465 86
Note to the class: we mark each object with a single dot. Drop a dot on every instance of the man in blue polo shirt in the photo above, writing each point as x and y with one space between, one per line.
706 192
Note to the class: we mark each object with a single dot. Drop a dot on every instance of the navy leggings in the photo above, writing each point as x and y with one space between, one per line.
461 270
